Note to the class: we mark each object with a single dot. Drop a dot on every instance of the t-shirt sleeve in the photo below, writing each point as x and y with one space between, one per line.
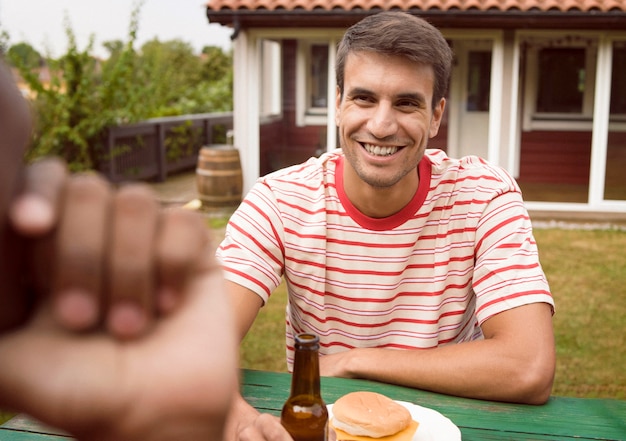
252 252
507 271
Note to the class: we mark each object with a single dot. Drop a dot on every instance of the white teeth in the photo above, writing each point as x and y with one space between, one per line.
380 151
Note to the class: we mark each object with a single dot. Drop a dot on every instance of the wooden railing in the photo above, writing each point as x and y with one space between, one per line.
158 147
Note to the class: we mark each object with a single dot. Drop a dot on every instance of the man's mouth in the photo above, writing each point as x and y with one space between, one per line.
378 150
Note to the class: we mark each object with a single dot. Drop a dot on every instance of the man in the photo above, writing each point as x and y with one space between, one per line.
111 308
413 268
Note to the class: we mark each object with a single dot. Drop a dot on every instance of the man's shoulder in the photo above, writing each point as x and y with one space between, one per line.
468 170
311 173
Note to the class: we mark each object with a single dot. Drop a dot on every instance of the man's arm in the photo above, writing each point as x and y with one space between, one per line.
515 362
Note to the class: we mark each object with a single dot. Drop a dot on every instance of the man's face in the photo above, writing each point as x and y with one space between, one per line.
385 118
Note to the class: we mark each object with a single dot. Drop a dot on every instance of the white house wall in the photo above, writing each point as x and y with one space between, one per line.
597 101
246 117
504 120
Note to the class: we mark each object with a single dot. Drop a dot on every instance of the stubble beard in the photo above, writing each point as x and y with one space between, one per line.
376 180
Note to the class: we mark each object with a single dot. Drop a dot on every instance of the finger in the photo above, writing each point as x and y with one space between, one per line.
131 262
332 435
270 427
183 246
35 210
80 247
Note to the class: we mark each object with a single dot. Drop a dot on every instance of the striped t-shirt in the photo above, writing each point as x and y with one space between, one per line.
461 251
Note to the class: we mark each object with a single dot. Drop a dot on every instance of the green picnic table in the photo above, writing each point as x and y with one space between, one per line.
561 419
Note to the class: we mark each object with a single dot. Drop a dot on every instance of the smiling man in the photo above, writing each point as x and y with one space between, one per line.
413 268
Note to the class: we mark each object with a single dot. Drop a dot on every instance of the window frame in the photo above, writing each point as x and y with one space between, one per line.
534 120
270 79
618 117
306 114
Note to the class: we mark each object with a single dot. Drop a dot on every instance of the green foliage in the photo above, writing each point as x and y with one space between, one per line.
78 103
217 64
181 141
179 82
86 95
4 41
28 55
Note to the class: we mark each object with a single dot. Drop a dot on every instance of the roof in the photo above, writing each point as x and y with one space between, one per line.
423 5
575 14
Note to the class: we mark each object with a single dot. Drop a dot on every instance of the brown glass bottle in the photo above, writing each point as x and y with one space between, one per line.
304 414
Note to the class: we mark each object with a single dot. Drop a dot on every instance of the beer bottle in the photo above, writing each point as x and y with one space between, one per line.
304 414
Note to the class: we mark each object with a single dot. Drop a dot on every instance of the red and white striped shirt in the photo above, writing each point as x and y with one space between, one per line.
461 251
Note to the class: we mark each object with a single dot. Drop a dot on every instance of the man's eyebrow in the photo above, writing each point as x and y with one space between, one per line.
360 91
413 96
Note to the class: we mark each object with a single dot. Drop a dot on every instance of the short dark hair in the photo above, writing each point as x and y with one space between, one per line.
399 33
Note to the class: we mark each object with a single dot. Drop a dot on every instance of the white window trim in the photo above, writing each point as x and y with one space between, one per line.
305 115
328 36
600 128
533 120
270 79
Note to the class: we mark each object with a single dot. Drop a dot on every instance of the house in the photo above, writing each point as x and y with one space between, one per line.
538 87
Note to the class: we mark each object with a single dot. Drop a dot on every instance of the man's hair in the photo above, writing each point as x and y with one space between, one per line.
403 34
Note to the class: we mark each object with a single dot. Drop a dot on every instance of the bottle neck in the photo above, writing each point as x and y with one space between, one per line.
306 373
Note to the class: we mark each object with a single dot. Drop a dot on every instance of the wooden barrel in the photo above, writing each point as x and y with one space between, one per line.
218 176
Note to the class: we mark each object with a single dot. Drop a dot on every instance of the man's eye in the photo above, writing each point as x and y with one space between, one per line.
409 104
363 99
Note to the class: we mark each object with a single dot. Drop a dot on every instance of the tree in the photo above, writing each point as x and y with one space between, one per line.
28 56
73 110
169 70
4 42
217 64
87 95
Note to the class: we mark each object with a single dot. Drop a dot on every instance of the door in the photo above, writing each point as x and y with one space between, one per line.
471 82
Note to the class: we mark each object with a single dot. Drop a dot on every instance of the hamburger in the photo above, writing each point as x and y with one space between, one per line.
363 416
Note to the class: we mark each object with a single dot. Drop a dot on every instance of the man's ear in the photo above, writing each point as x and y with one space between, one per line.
435 121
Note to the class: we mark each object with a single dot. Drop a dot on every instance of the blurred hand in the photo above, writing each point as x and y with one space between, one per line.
114 323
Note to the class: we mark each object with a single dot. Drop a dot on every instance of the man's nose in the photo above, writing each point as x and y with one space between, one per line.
383 121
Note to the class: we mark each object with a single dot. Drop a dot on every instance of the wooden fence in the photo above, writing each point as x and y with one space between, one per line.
153 149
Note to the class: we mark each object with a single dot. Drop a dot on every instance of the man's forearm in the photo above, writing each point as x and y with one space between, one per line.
511 364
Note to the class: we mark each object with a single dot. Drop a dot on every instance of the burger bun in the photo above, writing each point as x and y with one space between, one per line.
369 414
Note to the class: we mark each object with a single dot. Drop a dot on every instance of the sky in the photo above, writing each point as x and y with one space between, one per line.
40 23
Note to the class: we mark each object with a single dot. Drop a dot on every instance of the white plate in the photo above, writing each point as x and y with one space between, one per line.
433 426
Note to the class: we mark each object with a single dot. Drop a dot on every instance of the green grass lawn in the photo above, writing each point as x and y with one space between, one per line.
587 275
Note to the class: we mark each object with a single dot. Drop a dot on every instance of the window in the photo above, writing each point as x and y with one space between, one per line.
312 82
270 79
318 79
562 77
478 81
618 85
559 80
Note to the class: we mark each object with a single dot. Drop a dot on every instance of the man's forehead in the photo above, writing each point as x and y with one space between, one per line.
422 74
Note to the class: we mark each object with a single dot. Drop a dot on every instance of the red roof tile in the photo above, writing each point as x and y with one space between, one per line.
423 5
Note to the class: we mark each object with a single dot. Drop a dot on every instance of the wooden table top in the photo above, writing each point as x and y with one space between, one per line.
560 419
